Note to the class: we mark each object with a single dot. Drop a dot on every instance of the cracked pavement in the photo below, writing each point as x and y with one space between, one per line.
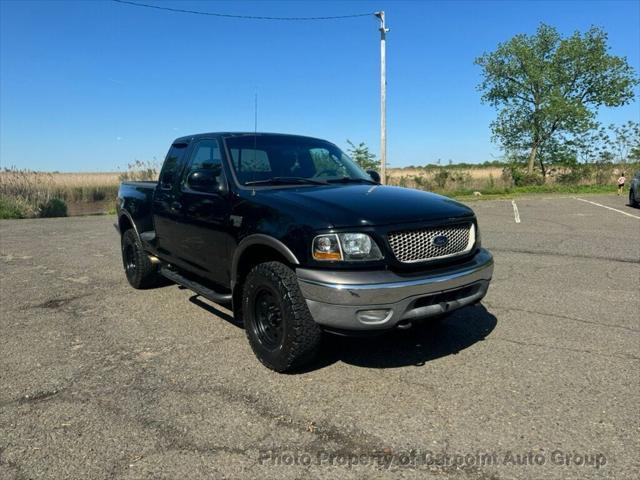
99 380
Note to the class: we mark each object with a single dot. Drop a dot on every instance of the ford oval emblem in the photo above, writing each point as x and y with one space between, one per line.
440 240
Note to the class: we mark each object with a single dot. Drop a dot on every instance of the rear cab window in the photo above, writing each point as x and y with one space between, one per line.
172 165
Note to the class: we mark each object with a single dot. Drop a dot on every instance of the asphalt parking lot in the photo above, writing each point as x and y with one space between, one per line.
99 380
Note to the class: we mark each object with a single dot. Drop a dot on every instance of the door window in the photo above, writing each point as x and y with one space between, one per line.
204 172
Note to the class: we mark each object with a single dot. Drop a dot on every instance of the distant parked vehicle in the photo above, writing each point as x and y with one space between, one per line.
634 191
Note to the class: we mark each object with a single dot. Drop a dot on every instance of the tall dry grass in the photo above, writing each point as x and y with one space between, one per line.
26 191
452 178
38 187
449 178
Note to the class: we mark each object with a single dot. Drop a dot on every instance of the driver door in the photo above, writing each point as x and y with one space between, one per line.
205 209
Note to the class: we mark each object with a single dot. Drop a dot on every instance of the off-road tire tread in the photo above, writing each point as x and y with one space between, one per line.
306 333
146 273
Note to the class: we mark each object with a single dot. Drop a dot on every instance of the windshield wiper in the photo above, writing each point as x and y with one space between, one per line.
285 181
351 180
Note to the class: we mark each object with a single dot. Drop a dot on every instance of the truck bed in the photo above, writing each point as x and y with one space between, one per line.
135 197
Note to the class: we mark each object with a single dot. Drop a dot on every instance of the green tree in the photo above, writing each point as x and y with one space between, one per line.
362 156
617 142
625 140
545 86
556 151
591 144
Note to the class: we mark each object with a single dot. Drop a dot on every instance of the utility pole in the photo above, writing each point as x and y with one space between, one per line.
383 97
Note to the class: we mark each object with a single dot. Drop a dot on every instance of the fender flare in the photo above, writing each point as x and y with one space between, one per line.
259 239
125 213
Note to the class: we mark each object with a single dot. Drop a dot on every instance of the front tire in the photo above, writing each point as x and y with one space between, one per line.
140 271
632 198
277 321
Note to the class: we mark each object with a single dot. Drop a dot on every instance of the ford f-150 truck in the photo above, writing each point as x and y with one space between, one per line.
298 240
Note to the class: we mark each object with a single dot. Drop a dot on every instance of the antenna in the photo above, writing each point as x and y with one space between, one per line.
255 111
255 126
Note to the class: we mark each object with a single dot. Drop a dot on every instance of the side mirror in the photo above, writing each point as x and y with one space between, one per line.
204 180
375 176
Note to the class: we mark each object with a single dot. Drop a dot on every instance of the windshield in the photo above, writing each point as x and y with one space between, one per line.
282 159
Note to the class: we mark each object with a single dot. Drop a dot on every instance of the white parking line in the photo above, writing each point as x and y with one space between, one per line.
516 214
608 208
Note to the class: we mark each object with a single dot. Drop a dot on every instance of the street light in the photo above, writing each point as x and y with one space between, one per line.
383 97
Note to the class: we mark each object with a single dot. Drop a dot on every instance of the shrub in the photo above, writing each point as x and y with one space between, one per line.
528 180
461 180
514 174
603 172
441 177
11 207
420 181
577 174
53 208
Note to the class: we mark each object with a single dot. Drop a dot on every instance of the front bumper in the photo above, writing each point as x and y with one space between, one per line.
366 300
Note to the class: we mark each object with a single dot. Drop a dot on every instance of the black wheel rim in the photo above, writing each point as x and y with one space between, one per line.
268 320
129 257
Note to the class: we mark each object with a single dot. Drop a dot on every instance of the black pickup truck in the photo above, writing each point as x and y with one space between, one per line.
299 240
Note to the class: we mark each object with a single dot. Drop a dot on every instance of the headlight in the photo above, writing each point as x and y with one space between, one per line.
326 247
345 246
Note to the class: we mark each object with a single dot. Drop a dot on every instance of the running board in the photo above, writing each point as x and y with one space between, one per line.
195 286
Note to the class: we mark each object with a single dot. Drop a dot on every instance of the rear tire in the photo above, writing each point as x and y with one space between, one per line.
138 267
632 199
277 321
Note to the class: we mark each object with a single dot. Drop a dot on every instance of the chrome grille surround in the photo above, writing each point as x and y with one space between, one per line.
411 246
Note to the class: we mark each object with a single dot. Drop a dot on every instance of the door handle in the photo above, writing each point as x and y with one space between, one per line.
175 206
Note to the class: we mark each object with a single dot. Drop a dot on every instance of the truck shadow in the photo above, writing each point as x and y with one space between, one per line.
398 348
215 310
412 347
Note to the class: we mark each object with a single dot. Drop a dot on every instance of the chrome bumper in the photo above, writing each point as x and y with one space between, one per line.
365 300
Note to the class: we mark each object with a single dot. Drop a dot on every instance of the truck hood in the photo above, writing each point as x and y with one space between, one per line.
356 205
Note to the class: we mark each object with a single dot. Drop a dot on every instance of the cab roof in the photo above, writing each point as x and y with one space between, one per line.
198 136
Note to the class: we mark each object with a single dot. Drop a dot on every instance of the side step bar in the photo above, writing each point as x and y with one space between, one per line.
195 286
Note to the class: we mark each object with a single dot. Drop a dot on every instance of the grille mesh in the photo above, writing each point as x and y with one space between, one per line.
417 245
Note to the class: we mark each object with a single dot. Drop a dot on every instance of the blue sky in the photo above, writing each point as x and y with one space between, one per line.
93 85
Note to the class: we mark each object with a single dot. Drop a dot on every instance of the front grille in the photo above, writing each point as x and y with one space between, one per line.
418 245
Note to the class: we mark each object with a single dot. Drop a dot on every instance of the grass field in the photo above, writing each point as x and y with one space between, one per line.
71 187
23 193
448 178
479 173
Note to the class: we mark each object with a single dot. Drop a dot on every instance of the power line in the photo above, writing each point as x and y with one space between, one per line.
245 17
